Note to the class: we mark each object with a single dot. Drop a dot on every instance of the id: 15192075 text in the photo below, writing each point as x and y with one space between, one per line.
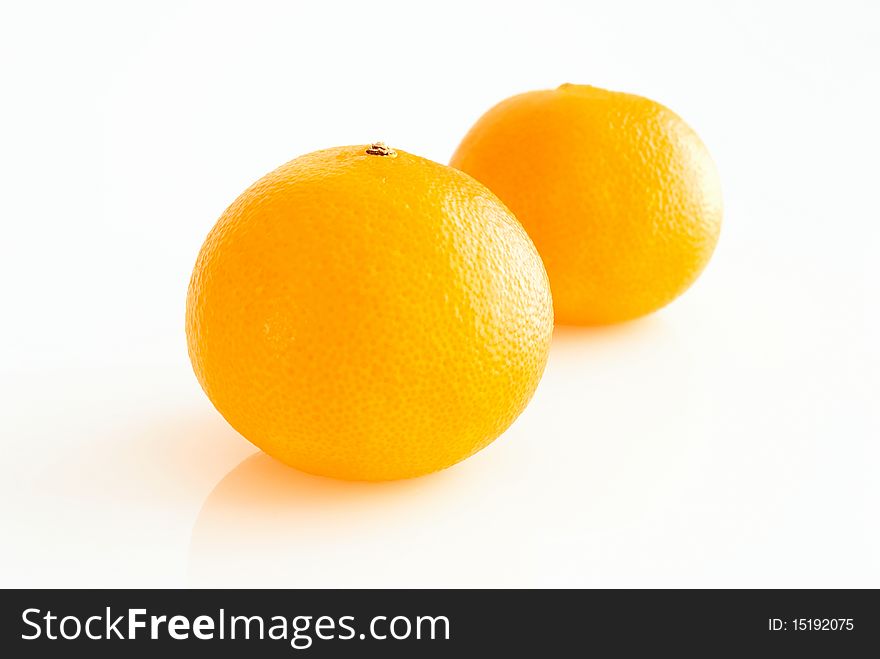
811 624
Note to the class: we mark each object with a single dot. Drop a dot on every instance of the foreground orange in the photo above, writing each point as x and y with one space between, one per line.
619 194
368 314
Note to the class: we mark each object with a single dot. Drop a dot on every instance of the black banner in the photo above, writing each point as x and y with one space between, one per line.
436 623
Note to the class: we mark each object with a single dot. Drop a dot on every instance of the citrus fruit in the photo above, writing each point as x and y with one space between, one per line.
367 314
619 195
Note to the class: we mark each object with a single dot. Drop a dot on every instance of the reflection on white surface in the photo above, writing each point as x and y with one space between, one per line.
98 500
268 524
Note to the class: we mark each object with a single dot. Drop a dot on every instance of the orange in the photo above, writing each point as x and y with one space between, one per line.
620 196
368 314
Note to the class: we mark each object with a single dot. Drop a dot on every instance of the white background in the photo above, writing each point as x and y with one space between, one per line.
728 440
